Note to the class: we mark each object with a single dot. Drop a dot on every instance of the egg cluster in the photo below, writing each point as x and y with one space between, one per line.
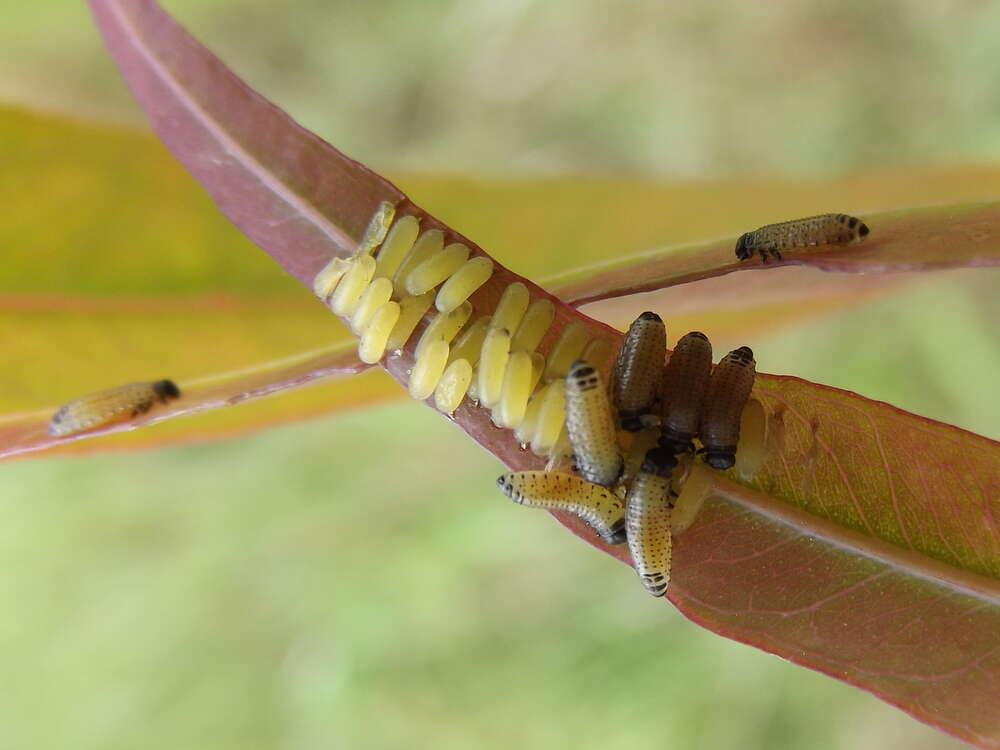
400 275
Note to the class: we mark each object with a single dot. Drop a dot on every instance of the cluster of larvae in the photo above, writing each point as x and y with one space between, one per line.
401 276
111 406
826 229
666 407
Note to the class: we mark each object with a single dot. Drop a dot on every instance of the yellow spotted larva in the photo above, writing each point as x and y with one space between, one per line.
685 380
591 426
825 229
647 520
111 406
728 391
596 505
639 368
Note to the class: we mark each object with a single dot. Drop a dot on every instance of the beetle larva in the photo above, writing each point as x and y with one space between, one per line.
685 380
639 368
825 229
591 426
728 391
113 405
596 505
647 520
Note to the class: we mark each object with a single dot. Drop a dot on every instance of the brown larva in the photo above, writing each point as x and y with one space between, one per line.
826 229
728 391
118 404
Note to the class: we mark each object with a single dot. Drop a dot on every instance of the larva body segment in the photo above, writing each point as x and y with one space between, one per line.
492 365
536 321
728 391
826 229
685 380
427 369
596 505
452 386
591 426
639 368
111 406
648 523
376 334
463 283
436 269
396 246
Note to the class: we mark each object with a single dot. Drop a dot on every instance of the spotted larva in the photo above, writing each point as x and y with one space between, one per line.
825 229
118 404
647 520
591 426
728 391
596 505
639 368
685 380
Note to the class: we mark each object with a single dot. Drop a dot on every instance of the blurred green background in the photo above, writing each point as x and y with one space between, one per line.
337 583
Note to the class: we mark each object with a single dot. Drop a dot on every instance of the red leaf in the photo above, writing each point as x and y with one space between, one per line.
867 547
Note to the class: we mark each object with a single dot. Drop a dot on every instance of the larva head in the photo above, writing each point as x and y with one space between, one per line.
743 355
721 459
652 316
166 390
659 461
863 230
743 249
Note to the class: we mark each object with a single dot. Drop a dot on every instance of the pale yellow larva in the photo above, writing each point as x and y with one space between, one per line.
429 243
427 369
396 246
111 406
510 309
436 269
376 334
444 326
600 508
377 294
515 391
411 312
473 274
469 342
551 417
492 365
452 386
567 349
534 324
348 293
591 426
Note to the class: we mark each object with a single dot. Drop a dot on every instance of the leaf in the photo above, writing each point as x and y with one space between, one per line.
919 239
839 479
